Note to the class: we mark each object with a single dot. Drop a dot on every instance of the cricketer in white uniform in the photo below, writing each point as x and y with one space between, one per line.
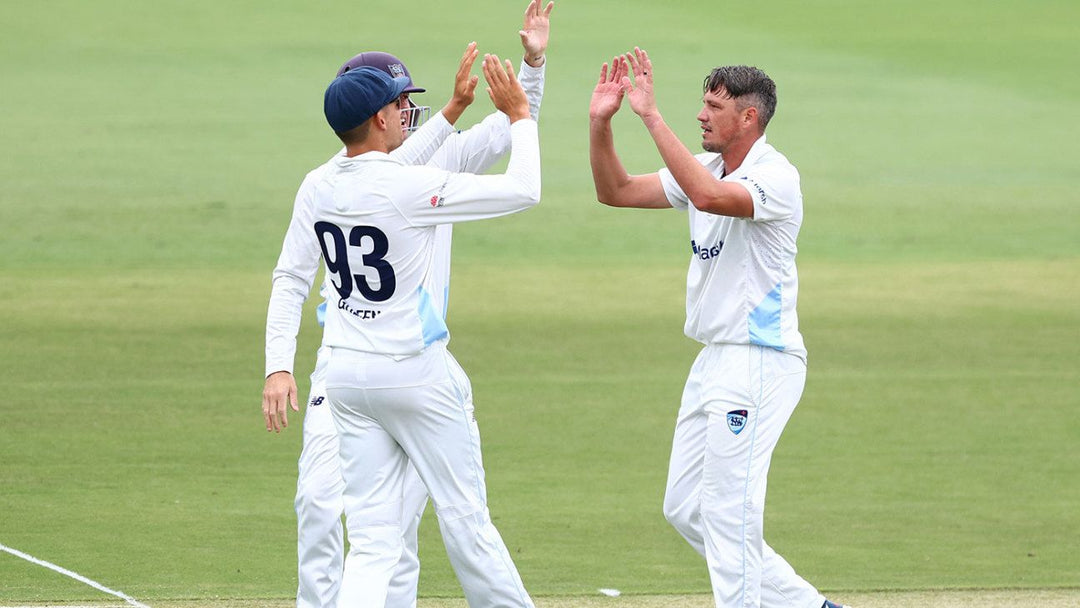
381 316
318 501
320 545
396 393
744 203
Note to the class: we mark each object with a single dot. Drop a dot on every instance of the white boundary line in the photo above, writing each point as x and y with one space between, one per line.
82 579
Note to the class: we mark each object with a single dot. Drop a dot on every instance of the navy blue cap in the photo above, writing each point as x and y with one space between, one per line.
359 94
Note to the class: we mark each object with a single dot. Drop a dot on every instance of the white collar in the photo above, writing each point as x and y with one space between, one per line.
374 155
756 151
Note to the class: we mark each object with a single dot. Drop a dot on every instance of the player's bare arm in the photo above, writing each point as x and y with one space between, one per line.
614 186
707 193
535 32
503 88
464 86
279 393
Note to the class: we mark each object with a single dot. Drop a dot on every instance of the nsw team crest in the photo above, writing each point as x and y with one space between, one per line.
736 420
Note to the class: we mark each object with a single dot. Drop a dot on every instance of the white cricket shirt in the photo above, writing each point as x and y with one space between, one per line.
742 284
376 220
436 144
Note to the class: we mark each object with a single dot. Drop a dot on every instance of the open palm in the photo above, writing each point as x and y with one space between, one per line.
536 28
608 95
638 82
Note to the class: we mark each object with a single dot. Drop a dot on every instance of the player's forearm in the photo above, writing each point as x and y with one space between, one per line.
609 175
476 197
453 110
292 279
283 315
686 170
524 165
419 147
532 81
705 192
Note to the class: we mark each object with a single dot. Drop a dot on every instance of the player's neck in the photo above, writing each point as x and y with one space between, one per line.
370 144
735 154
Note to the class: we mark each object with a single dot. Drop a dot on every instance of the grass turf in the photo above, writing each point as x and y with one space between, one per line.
150 156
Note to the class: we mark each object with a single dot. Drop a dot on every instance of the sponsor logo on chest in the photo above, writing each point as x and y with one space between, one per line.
705 252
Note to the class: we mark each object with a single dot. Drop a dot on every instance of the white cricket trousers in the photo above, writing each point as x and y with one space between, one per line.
735 404
320 546
418 409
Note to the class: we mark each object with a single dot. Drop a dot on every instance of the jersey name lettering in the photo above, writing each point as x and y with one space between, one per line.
343 304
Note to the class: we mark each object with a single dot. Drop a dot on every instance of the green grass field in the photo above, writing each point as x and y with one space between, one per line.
149 160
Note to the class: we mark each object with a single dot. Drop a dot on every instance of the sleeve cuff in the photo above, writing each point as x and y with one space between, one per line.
442 123
528 70
273 368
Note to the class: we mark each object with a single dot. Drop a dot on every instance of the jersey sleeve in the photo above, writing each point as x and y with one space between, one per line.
775 189
532 81
674 192
419 147
291 282
477 149
438 196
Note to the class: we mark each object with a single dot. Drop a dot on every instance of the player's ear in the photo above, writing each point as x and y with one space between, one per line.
750 114
389 115
750 117
378 121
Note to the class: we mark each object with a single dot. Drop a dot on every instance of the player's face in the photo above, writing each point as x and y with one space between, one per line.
721 121
392 115
405 107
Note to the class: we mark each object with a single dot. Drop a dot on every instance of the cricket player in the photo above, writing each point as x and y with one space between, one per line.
744 203
396 394
319 486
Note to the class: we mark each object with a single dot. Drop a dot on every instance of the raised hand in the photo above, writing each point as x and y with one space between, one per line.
637 85
503 87
608 94
535 31
464 86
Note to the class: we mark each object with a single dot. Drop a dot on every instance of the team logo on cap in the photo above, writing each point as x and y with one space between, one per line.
436 201
736 420
396 70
